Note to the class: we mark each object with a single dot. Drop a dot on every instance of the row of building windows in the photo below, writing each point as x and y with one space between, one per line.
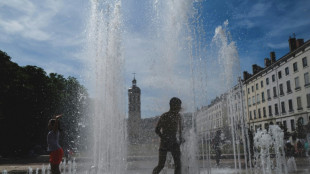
275 94
283 108
287 72
284 124
214 116
213 124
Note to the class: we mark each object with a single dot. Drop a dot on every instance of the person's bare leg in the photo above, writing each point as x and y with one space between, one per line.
161 161
176 154
55 169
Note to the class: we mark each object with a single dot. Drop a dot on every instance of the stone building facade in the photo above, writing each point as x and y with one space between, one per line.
279 93
213 117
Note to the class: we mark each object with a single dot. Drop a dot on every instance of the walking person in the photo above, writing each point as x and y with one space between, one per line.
306 146
289 153
300 148
217 148
169 124
55 150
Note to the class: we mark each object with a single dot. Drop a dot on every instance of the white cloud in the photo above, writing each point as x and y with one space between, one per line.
11 26
20 5
28 19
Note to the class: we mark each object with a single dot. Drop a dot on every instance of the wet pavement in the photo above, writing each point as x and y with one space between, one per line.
141 166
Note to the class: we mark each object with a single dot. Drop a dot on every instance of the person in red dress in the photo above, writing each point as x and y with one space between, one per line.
55 150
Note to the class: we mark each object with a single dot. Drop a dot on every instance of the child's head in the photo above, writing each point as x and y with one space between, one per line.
175 104
52 123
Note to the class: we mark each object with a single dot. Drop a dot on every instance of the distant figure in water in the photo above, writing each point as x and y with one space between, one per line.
217 148
55 150
167 127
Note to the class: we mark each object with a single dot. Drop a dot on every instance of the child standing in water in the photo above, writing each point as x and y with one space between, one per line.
167 127
55 150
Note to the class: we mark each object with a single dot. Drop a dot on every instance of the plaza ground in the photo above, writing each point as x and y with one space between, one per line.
140 165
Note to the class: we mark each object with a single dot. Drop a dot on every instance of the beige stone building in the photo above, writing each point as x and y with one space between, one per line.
279 93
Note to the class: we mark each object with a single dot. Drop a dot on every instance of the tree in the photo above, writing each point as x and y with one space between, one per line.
29 98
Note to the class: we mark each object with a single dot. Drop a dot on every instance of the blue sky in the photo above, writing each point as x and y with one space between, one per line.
51 34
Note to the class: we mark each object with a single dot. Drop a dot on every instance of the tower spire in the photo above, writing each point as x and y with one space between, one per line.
134 112
134 81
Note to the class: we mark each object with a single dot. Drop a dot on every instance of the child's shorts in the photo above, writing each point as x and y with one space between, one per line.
56 156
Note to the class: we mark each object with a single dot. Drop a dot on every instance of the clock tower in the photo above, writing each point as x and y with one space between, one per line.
134 112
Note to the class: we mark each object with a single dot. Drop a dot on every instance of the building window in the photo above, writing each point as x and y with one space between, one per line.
257 99
304 62
274 92
290 105
308 100
287 71
270 110
256 128
276 111
266 125
281 89
264 111
268 94
250 115
252 88
263 97
300 120
248 90
256 86
279 75
261 84
306 75
288 86
297 86
293 125
284 124
283 107
273 78
254 114
267 81
253 100
259 114
249 101
299 105
295 68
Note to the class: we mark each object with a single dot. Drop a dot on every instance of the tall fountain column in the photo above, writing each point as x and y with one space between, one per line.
104 51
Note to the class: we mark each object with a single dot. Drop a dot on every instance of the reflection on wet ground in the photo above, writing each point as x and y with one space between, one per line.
146 165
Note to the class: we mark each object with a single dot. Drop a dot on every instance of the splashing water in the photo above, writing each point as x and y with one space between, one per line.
176 44
227 56
264 142
104 47
29 170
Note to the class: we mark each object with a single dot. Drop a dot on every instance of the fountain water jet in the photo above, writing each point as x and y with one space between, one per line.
175 43
265 141
104 47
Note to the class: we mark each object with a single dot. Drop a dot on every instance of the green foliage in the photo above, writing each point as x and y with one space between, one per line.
28 99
